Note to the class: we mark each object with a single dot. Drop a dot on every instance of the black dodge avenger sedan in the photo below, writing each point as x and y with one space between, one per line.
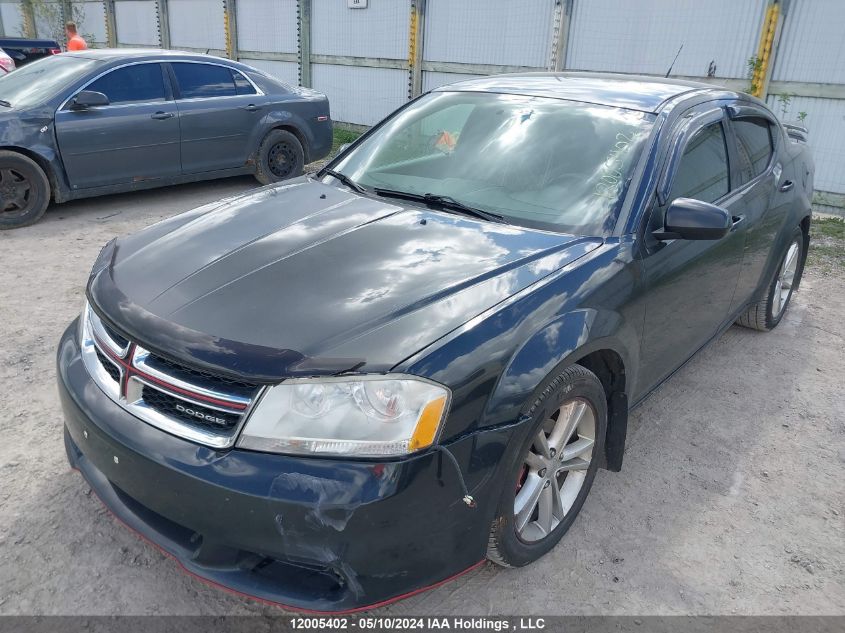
96 122
339 390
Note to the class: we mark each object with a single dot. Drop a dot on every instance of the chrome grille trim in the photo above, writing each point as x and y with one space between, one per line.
136 373
105 337
95 368
140 359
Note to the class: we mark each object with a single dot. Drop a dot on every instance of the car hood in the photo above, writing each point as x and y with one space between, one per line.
306 278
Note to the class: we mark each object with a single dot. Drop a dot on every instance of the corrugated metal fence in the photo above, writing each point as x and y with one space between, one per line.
370 60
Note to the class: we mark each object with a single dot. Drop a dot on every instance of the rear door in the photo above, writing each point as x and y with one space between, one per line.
759 174
133 139
219 109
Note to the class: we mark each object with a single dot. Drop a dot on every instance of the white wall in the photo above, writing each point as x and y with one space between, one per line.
380 30
12 19
507 32
136 22
196 24
361 95
267 25
287 72
644 37
93 23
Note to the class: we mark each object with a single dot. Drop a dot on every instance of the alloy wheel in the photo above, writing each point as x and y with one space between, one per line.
785 279
554 470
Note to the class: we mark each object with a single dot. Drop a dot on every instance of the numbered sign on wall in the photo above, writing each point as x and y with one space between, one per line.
356 4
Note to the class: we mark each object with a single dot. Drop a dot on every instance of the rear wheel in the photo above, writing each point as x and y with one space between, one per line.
280 156
24 190
555 470
767 313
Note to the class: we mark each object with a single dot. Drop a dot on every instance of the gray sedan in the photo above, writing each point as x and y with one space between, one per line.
104 121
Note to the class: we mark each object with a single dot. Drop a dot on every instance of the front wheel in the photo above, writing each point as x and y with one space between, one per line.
554 472
24 190
767 313
280 156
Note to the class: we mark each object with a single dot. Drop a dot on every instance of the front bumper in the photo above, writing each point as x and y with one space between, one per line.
307 533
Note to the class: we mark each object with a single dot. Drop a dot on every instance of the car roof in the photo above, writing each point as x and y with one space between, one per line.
138 54
636 92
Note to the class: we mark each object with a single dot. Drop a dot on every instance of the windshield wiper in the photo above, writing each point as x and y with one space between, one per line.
445 202
5 103
346 180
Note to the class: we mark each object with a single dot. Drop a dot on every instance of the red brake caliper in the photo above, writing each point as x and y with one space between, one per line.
523 475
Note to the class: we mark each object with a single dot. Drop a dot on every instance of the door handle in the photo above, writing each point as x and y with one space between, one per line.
737 220
251 107
162 115
787 185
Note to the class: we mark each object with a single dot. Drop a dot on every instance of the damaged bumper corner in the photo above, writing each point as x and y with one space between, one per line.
311 534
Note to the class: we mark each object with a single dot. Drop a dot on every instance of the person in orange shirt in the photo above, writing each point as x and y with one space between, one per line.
74 39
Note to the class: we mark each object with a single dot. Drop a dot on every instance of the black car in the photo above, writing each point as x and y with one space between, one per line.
95 122
25 50
349 387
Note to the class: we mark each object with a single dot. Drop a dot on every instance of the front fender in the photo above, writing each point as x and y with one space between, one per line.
558 344
32 133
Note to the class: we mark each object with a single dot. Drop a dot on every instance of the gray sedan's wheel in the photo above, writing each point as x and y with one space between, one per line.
767 313
24 190
279 157
555 469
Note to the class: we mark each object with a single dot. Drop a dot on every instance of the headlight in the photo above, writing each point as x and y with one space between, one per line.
364 416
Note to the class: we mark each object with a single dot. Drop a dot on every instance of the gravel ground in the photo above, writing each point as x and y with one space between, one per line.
730 499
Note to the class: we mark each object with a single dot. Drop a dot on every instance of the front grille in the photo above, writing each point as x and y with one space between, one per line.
188 412
122 341
187 402
108 365
202 378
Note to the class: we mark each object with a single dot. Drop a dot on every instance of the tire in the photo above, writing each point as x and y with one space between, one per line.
574 388
280 156
765 314
24 190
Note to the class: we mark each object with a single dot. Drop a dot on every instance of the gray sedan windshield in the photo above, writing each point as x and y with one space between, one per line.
36 82
542 162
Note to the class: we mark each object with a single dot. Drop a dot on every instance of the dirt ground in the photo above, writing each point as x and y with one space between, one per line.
730 499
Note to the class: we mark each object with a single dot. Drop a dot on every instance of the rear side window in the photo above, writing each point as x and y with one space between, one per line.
242 85
139 83
204 80
703 171
754 146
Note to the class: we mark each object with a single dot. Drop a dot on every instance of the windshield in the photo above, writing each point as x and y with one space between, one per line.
541 162
40 80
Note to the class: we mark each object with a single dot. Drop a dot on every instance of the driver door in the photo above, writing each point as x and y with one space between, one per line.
690 283
133 139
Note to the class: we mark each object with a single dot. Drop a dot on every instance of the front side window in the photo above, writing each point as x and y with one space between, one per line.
754 146
140 83
204 80
542 162
703 171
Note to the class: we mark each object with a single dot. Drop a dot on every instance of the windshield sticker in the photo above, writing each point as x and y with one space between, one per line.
608 184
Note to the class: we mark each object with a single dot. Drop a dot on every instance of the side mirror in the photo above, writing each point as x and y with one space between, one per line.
688 219
89 99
